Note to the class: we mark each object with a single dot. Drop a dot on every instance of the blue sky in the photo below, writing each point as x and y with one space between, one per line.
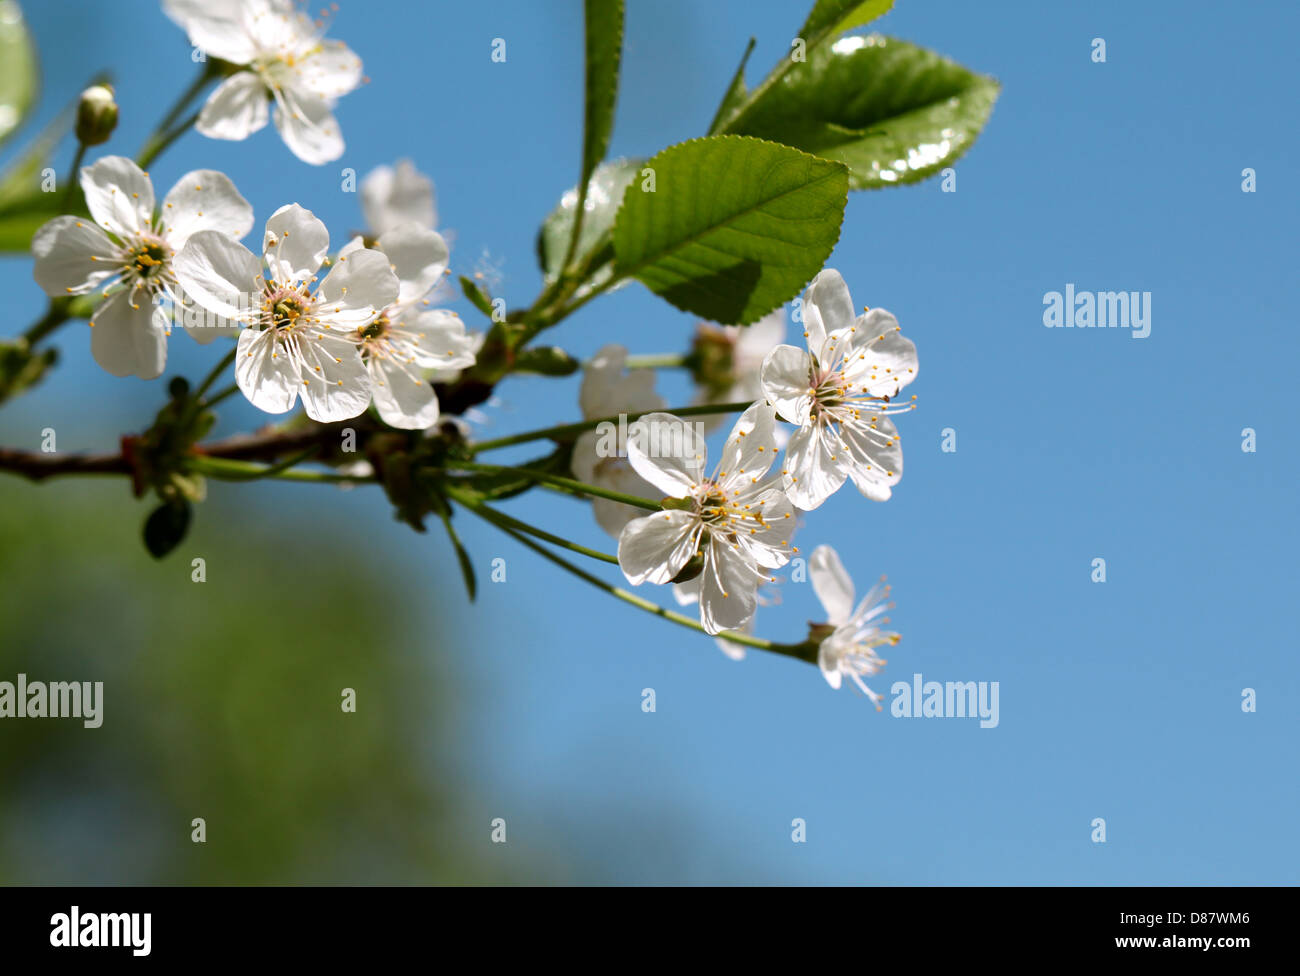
1118 700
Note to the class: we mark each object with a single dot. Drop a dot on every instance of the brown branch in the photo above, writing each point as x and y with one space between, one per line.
266 445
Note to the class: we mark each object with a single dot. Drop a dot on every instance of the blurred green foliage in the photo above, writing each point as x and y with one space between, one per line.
221 701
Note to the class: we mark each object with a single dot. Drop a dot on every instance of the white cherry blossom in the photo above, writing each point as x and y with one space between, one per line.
839 392
850 647
297 340
126 251
738 525
608 389
407 338
285 61
396 195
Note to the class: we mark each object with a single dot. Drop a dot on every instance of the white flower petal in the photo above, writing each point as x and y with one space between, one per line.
307 125
329 71
830 295
608 389
828 662
403 397
220 274
204 200
295 244
265 373
667 452
728 588
875 456
881 360
390 197
217 27
73 257
118 194
768 545
750 448
785 378
418 258
654 549
357 288
129 339
614 473
237 108
814 331
335 383
436 339
832 584
815 467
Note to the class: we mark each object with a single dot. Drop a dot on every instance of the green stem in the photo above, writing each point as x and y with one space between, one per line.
216 371
162 135
69 195
200 82
225 469
668 360
55 315
805 651
216 398
565 431
503 521
156 144
555 479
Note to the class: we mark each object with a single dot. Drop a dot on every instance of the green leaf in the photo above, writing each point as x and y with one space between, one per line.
735 93
830 18
19 224
604 37
604 33
462 556
604 194
734 226
892 112
22 179
18 74
478 298
826 21
166 527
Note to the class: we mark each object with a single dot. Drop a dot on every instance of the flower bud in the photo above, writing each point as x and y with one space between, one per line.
96 115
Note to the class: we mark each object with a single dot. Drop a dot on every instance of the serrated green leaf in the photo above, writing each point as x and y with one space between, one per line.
734 227
604 37
604 194
18 74
826 21
829 18
892 112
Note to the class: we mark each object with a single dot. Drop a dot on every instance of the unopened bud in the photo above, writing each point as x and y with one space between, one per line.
96 115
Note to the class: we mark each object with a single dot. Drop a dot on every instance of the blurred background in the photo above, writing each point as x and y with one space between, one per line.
1118 700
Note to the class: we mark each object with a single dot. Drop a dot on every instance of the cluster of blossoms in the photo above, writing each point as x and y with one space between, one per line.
722 533
358 329
363 333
